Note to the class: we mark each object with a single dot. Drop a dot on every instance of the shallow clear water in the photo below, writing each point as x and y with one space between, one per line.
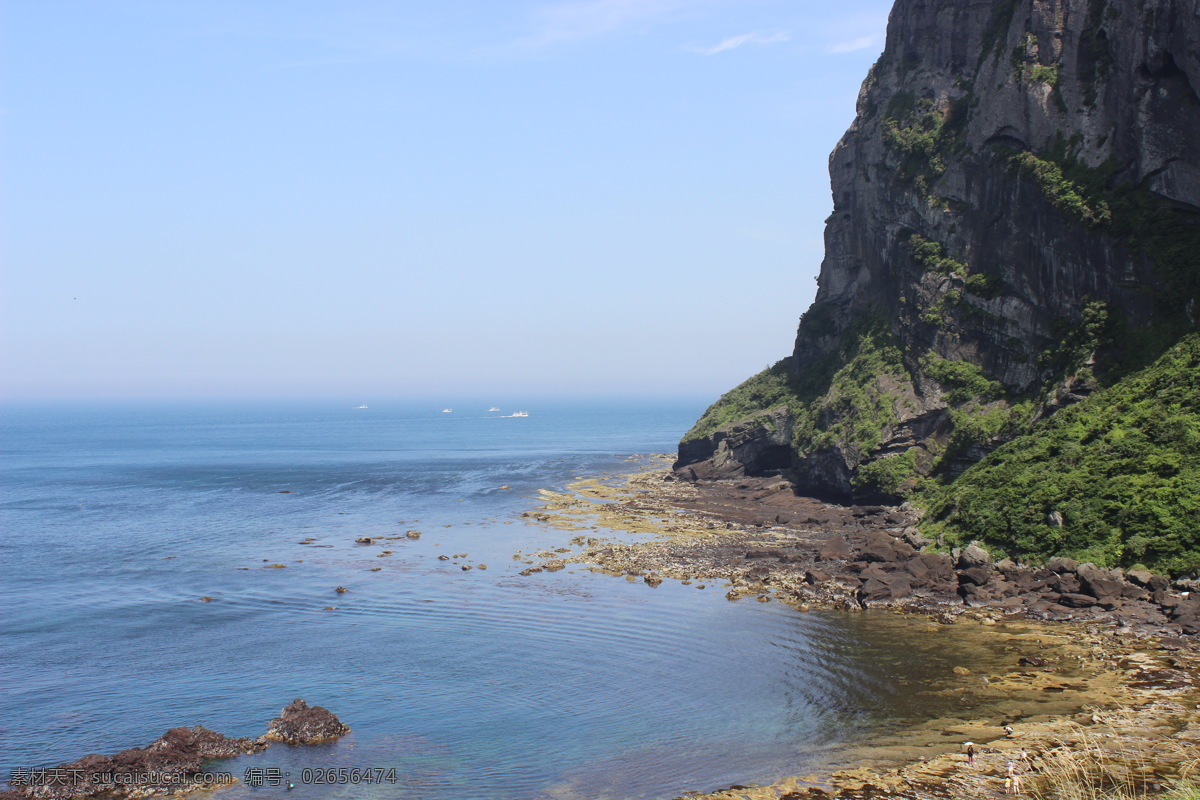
479 684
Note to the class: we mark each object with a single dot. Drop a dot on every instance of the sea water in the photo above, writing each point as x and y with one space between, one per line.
116 521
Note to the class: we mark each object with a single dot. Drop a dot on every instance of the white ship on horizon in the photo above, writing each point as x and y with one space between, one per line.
520 413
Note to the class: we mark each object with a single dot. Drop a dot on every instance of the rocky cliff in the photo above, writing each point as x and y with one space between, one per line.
1016 225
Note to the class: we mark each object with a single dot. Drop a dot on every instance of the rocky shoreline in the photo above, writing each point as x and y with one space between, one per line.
764 540
1118 650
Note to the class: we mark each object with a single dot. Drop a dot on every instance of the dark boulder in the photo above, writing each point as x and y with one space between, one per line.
879 547
1066 583
1186 608
885 588
1023 579
1166 601
918 571
914 538
1060 565
1139 577
1041 584
975 595
1101 584
1148 580
1040 607
1004 588
979 576
941 568
904 550
836 548
1074 600
974 556
301 723
877 570
1132 592
815 577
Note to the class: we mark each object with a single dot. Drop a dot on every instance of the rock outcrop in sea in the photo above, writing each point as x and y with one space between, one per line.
300 723
172 764
1016 230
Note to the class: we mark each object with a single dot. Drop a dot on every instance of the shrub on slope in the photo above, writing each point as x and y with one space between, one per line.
1114 479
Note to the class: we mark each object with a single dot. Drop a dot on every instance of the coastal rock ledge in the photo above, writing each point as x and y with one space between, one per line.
172 764
300 723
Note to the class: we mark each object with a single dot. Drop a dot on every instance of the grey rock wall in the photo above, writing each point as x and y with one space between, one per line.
1109 84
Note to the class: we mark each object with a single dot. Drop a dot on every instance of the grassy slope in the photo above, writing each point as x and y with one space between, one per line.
1122 468
843 389
771 388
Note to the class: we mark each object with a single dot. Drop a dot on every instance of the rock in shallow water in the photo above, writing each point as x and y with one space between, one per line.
301 723
170 764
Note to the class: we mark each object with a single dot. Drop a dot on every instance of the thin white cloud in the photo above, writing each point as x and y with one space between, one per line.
755 37
861 43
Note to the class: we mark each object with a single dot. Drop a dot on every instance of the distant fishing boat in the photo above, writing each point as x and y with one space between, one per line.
447 410
493 408
520 413
364 405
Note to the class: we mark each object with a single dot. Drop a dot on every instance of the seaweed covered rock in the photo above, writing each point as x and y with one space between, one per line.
171 764
300 723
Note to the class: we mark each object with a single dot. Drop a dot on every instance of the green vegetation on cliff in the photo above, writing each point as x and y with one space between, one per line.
848 397
979 288
859 403
979 408
775 386
1063 192
1147 224
924 135
1114 479
932 257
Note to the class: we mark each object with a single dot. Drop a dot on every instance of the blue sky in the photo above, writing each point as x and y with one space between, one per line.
369 199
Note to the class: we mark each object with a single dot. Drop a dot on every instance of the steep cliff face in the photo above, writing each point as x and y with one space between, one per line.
1016 223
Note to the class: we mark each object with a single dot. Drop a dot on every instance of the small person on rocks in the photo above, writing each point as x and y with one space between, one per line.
1008 785
970 752
1008 731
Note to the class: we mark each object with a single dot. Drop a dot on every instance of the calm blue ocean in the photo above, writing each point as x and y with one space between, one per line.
482 684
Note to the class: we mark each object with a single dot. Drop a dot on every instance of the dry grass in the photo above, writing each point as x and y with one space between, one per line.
1099 765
